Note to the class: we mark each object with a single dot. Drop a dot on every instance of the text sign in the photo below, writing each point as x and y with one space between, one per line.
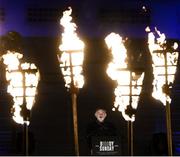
105 146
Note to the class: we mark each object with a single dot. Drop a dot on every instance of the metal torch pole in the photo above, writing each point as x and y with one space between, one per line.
25 118
168 112
25 139
75 123
130 123
74 108
169 131
130 138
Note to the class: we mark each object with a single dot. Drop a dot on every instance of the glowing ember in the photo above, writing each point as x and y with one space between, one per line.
144 8
117 70
157 47
14 75
72 52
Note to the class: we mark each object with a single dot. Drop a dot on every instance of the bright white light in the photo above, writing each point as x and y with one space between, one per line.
157 41
117 70
72 52
14 75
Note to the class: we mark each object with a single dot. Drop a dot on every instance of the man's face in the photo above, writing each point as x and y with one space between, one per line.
100 115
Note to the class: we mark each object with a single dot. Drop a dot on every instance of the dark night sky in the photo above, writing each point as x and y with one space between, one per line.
94 18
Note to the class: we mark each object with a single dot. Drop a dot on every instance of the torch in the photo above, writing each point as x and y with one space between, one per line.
22 80
70 62
164 69
129 83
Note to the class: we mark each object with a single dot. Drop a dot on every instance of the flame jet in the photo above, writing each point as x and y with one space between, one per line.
164 65
14 75
164 70
129 84
72 52
71 61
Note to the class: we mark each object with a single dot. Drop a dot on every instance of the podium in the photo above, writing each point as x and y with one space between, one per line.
106 145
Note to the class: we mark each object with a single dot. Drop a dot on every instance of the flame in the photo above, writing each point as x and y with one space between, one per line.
117 70
72 52
156 43
14 76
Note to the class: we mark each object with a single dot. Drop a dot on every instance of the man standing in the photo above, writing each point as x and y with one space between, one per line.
101 135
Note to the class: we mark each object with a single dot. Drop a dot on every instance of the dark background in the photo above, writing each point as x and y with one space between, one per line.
51 118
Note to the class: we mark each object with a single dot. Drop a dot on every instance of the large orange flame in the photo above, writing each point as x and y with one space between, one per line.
72 52
14 76
157 42
117 70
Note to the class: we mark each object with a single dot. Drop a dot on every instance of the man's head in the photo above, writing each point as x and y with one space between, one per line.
100 114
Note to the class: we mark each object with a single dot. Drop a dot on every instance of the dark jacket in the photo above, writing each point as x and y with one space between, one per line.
99 129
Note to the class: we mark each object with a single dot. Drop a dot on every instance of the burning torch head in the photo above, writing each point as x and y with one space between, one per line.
100 114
